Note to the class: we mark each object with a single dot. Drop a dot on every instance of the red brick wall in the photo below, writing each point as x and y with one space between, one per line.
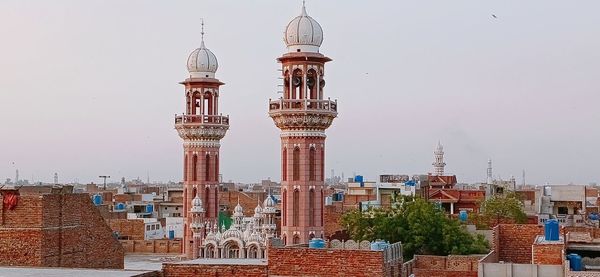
513 242
57 230
445 266
191 270
325 262
548 254
132 229
332 216
152 246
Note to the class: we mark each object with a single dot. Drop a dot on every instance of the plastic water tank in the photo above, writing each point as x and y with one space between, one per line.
97 199
462 216
316 243
551 230
575 262
379 245
171 234
120 206
149 208
358 179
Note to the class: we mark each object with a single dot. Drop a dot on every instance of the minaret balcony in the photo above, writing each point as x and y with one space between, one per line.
201 119
295 105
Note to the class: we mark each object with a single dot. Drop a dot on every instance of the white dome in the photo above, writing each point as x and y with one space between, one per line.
197 205
257 210
303 34
269 202
202 63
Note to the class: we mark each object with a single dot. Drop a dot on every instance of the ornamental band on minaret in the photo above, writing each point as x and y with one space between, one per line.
303 115
201 127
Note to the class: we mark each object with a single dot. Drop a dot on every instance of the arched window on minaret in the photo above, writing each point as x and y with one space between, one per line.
284 209
195 168
296 164
188 101
197 104
311 207
311 83
206 203
322 214
185 167
216 168
286 85
296 85
311 164
296 239
194 192
323 164
207 167
296 212
284 162
216 204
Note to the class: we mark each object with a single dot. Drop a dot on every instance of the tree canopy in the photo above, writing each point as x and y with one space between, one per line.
504 206
422 227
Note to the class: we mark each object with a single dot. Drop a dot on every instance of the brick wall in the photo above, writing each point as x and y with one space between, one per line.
325 262
331 217
57 230
548 253
152 246
444 266
513 242
132 229
191 270
248 200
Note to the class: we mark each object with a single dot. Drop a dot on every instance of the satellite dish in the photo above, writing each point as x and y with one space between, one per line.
296 81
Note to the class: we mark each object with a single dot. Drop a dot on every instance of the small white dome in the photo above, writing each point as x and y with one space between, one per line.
303 34
197 205
269 202
257 210
238 209
202 63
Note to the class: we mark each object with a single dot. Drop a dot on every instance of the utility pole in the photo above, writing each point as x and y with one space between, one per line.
104 177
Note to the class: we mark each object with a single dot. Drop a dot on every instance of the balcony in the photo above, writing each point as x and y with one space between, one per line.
302 105
202 119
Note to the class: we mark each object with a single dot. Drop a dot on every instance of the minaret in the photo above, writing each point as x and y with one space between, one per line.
489 172
201 127
303 114
438 164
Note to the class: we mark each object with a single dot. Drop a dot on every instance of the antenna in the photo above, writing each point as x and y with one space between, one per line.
104 177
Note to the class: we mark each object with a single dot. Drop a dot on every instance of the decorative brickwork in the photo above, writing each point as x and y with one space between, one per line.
57 230
513 242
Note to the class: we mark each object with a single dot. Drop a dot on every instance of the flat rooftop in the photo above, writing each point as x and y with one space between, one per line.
225 262
59 272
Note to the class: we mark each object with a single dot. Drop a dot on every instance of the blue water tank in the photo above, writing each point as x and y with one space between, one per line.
149 208
120 206
358 179
316 243
97 199
575 262
594 216
462 216
551 230
171 234
379 245
410 183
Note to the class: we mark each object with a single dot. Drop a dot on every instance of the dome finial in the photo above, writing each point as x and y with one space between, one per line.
202 33
304 8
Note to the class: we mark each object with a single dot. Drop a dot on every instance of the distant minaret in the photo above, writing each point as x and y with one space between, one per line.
438 164
17 177
55 178
489 172
523 178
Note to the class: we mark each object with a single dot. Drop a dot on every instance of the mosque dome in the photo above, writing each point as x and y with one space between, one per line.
303 34
269 201
202 63
197 205
257 210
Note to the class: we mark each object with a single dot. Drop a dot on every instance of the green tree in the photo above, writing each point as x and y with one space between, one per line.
505 206
422 228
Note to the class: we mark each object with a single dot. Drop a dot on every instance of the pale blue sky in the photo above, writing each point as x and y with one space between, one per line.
91 87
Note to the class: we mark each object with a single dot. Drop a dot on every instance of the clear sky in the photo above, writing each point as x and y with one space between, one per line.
90 88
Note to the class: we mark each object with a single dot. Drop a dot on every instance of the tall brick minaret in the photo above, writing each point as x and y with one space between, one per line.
303 115
201 128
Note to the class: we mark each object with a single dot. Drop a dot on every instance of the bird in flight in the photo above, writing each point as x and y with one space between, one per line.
494 16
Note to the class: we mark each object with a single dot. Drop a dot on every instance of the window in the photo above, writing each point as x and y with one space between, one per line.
322 164
296 164
284 210
206 204
216 168
311 207
284 167
147 227
194 168
207 167
185 168
563 210
311 164
296 208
